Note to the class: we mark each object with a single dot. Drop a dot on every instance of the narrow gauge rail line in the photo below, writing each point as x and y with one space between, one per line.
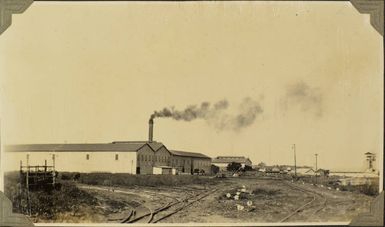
186 204
132 219
313 193
152 213
129 216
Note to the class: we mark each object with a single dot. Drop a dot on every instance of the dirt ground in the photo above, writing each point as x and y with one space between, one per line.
235 200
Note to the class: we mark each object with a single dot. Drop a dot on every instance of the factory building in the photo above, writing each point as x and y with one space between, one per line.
190 162
134 157
223 161
114 158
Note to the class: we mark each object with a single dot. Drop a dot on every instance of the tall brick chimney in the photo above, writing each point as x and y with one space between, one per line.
150 130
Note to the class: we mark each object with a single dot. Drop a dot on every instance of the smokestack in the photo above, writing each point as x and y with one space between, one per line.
150 129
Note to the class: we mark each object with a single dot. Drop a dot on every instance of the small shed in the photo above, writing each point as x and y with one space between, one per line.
167 170
322 172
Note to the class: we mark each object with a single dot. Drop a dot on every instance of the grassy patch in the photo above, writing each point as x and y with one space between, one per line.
123 179
49 204
248 195
268 192
370 189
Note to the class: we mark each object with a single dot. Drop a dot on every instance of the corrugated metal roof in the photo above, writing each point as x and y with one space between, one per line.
154 145
76 147
188 154
229 159
165 167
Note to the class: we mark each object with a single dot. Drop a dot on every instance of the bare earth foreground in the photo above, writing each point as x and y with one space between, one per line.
230 200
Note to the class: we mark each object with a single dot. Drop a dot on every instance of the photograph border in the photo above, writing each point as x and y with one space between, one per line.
375 9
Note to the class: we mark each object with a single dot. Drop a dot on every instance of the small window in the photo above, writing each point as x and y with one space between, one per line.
116 157
145 158
87 157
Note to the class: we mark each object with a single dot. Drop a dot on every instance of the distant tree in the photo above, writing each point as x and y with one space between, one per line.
248 168
214 169
261 164
76 176
234 166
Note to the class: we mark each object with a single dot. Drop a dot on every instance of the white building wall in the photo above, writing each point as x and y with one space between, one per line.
76 161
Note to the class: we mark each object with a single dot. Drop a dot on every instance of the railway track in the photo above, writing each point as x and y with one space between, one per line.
150 215
317 203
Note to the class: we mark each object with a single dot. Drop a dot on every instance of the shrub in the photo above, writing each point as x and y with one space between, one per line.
68 199
248 168
234 166
214 169
368 189
46 204
69 176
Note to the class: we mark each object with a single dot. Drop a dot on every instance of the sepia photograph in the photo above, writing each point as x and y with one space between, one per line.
191 113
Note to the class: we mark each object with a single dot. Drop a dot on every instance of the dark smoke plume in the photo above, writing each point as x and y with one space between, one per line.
215 115
309 99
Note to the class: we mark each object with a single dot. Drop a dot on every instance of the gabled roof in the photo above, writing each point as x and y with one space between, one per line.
133 147
229 159
188 154
154 145
310 170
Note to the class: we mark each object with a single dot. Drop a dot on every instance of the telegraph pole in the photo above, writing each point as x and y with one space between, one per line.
295 161
316 168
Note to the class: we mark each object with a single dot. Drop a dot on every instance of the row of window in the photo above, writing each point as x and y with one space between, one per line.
153 158
203 163
161 159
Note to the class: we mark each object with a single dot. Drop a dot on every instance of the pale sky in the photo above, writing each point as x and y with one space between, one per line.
94 72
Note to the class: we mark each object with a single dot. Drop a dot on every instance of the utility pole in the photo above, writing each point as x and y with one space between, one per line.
295 161
316 168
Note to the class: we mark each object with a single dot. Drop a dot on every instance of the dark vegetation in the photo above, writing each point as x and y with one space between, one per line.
248 168
371 190
47 203
334 182
214 169
250 195
234 166
124 179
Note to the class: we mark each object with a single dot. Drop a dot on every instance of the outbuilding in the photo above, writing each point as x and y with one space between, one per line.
223 161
